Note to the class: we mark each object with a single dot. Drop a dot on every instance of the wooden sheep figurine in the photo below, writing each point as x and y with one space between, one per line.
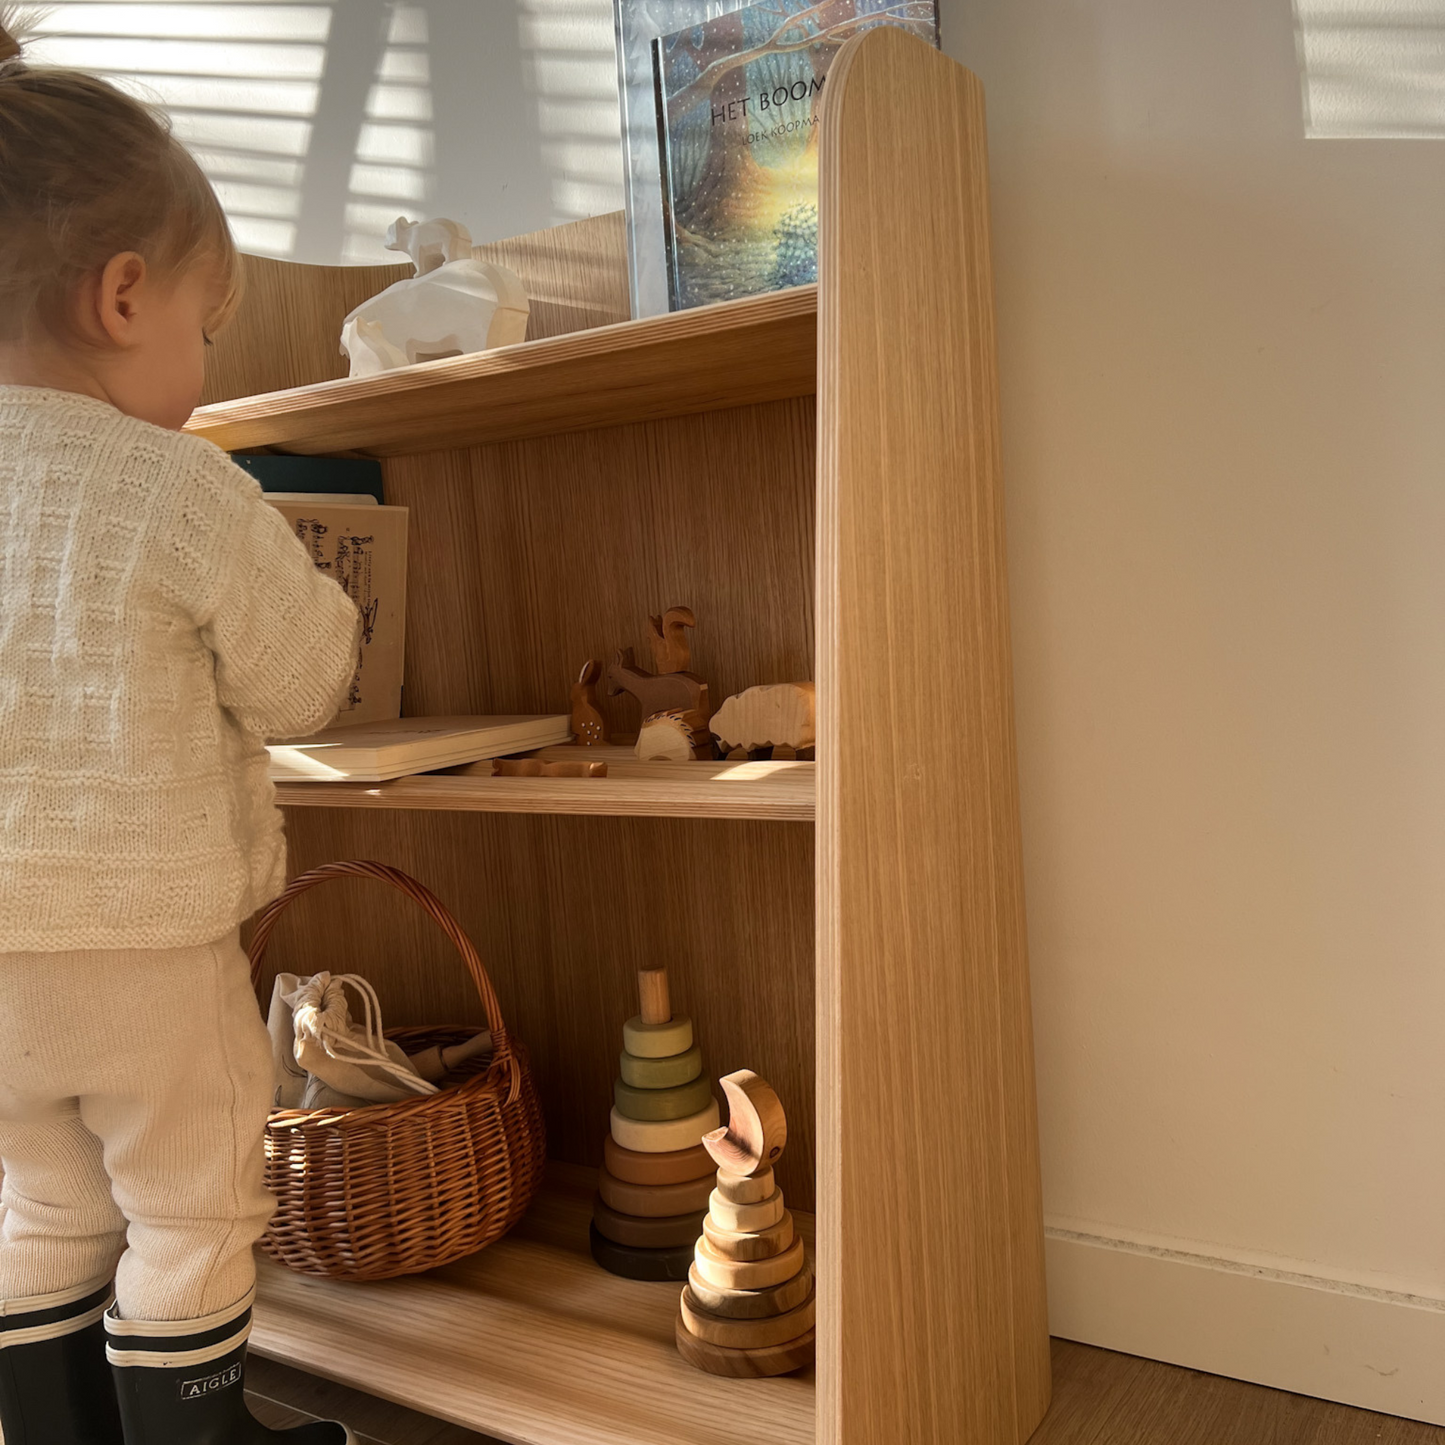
453 305
782 718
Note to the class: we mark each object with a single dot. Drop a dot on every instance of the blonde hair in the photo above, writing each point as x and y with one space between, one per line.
86 173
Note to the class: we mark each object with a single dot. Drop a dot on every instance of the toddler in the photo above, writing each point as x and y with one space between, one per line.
157 621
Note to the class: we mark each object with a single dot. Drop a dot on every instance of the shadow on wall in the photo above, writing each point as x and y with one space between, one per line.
320 123
1372 69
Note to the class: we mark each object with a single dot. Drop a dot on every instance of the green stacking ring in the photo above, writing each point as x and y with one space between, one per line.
668 1073
657 1041
656 1104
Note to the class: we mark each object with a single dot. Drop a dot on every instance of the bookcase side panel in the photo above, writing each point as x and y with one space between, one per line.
934 1320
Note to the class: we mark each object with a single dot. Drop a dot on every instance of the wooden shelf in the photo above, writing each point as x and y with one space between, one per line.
531 1342
708 359
777 792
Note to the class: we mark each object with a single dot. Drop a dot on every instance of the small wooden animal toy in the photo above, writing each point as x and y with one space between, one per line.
453 305
536 768
749 1307
670 737
682 692
671 650
781 716
657 1178
588 728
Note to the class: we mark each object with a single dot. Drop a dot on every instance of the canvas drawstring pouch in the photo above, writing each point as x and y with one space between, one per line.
323 1060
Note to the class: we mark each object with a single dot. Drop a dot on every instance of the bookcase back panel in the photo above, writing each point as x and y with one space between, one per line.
563 911
287 329
529 558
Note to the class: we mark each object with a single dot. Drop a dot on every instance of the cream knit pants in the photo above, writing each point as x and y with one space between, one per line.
134 1088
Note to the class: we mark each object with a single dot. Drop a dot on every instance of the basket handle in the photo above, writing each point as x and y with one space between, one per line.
502 1050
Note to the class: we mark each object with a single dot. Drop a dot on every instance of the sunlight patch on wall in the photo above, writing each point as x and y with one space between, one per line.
241 82
1372 69
574 75
393 173
250 85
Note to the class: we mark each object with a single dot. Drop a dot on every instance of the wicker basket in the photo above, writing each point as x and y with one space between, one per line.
395 1189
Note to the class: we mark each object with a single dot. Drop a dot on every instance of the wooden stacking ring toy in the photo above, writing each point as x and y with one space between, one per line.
674 1167
667 1073
717 1269
652 1104
654 1201
750 1304
661 1136
728 1215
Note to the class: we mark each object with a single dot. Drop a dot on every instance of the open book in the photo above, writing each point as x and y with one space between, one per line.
374 752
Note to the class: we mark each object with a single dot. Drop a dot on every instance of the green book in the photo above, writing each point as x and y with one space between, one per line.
739 100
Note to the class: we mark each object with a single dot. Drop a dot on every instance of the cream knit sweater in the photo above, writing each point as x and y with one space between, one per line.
157 621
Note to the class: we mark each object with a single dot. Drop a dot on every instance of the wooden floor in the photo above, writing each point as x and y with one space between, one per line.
1099 1399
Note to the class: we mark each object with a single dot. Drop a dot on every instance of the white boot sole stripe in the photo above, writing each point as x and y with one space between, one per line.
56 1330
180 1359
181 1329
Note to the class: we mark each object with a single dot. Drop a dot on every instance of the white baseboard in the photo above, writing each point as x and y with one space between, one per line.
1371 1348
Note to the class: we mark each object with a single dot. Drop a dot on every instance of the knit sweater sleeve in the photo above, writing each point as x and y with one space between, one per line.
285 637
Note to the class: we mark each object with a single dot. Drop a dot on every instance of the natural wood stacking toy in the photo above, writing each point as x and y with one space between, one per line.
750 1303
657 1179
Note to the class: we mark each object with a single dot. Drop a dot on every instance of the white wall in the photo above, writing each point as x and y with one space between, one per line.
1223 353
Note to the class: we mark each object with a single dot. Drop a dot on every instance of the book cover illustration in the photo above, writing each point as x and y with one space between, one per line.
739 100
364 549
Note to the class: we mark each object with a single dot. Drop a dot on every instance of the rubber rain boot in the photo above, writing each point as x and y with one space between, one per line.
185 1384
55 1385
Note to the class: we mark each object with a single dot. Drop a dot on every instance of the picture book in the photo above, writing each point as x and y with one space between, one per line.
739 102
375 752
363 547
344 476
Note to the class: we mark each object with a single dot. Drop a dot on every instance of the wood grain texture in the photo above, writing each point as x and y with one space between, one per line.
708 359
529 558
287 330
927 1121
780 792
1102 1398
564 911
529 1341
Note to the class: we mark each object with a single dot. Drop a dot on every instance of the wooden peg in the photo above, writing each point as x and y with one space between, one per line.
750 1244
536 768
671 650
757 1127
653 991
588 728
745 1364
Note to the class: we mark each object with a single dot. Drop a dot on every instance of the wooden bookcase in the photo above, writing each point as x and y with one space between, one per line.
816 473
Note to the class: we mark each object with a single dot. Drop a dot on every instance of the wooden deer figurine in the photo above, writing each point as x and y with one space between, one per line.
682 692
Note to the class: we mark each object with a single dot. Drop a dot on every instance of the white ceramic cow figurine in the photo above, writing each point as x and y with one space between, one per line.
454 304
